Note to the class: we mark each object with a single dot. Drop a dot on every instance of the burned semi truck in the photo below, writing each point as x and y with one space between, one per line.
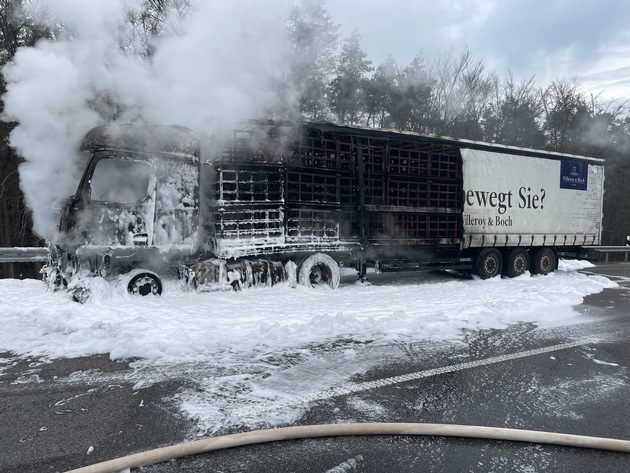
270 202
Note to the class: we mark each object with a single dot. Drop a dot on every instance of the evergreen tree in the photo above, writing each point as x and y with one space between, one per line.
314 39
473 94
378 90
401 98
416 91
348 88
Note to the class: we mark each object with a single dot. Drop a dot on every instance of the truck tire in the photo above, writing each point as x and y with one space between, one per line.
517 263
145 283
317 270
489 263
544 261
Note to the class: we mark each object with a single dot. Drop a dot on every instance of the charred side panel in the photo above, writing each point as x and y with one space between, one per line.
321 192
413 193
391 192
280 193
312 204
246 200
312 199
247 212
328 187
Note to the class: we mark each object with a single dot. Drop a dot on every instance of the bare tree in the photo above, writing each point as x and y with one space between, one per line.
515 117
462 92
446 71
154 19
474 94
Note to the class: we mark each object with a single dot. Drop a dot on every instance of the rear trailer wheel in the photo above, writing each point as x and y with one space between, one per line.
517 263
544 261
144 284
489 263
319 269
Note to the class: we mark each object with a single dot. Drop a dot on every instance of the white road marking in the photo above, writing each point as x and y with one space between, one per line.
380 383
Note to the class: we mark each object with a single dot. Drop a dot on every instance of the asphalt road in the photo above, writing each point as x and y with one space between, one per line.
74 412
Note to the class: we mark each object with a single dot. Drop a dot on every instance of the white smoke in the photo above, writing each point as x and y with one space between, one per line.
220 68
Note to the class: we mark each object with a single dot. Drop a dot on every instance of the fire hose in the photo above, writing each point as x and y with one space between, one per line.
336 430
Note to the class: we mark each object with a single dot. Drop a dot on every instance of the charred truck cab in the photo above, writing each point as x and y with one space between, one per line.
136 209
272 202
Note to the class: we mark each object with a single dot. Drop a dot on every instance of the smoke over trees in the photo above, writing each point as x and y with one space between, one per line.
319 75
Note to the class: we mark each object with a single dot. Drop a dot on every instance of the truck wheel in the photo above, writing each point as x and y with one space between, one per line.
319 269
517 263
489 263
144 284
544 261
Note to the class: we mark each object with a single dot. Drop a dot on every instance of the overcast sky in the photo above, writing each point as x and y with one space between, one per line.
548 39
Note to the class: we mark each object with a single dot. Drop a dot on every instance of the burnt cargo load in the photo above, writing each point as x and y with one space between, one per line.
270 202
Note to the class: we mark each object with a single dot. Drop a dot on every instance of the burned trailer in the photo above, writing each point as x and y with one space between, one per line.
400 201
364 197
417 202
270 202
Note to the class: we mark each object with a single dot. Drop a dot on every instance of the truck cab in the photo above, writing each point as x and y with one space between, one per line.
137 202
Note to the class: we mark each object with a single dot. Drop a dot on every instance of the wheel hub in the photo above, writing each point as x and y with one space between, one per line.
145 286
520 265
491 266
318 275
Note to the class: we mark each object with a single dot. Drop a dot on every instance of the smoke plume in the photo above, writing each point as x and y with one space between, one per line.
218 65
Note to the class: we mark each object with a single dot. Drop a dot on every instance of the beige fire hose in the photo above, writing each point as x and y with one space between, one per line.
335 430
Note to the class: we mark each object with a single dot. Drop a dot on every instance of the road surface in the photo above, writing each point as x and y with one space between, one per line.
572 379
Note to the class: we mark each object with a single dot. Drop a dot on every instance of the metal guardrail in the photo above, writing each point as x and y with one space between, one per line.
29 254
609 249
23 255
